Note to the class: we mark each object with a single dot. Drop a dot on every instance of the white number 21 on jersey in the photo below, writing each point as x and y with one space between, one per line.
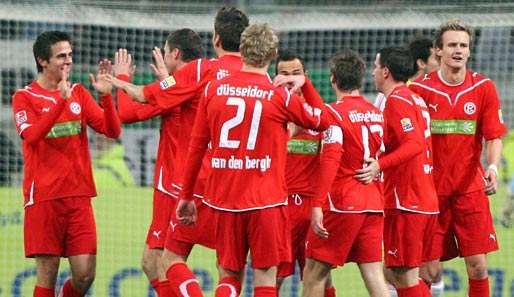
237 120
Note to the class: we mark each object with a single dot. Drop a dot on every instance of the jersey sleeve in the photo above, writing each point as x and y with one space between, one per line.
30 127
491 116
310 113
332 149
200 138
400 116
130 111
106 120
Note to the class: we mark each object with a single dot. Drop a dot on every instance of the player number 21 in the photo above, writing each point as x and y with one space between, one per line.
237 120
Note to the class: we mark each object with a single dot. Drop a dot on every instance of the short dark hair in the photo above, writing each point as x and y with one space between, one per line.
348 69
420 49
188 42
286 56
42 47
399 62
229 24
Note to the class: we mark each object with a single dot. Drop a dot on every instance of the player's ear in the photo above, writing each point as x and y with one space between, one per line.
420 64
216 40
42 62
332 79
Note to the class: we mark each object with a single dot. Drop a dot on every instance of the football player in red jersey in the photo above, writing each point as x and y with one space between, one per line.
181 47
354 135
52 117
183 89
411 206
244 117
465 110
303 150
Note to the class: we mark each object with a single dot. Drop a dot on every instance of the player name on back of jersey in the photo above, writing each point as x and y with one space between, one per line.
245 163
249 91
368 116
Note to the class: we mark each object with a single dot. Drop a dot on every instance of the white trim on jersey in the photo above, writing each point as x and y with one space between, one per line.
179 188
334 209
335 112
233 291
183 286
433 90
246 209
73 87
31 196
446 95
161 188
23 127
288 97
469 89
207 88
401 98
39 95
198 68
400 207
439 74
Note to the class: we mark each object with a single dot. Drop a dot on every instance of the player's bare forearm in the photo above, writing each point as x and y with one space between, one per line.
134 91
493 151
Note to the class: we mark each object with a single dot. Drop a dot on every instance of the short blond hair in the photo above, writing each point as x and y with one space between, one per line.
259 45
452 25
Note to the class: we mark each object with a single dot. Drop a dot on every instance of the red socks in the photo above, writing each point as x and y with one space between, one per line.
162 288
265 292
69 291
228 287
330 292
414 291
44 292
478 287
182 281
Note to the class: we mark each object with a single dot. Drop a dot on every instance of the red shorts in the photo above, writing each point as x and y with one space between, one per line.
408 238
352 238
466 226
163 205
299 211
264 232
61 227
180 239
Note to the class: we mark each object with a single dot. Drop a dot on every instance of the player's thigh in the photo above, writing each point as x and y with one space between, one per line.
47 267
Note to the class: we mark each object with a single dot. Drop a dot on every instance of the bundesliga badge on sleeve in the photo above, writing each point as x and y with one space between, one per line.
168 82
406 125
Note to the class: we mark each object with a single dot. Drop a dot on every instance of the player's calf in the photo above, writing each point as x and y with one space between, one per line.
315 277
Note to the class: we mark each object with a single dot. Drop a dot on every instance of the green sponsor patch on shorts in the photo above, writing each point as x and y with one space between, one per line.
302 146
65 129
466 127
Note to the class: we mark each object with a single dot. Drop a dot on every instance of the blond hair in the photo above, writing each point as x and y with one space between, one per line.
258 45
452 25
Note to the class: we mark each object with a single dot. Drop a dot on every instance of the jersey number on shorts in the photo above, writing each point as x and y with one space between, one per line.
237 120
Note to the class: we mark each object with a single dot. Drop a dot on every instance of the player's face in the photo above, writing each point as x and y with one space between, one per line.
378 73
60 60
170 58
293 67
455 51
432 63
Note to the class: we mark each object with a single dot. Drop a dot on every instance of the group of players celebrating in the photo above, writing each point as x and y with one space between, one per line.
247 164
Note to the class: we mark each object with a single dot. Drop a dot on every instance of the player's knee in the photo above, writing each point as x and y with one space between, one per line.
477 269
149 264
84 280
316 271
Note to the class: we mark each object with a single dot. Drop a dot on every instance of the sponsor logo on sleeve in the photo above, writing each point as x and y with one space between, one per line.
500 115
333 134
406 125
168 82
470 108
21 117
75 108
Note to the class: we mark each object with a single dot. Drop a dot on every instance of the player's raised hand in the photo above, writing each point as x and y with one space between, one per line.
292 82
123 63
159 68
64 85
368 173
491 177
186 212
317 222
101 82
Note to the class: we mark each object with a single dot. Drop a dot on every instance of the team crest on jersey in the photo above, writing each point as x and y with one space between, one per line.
21 117
470 108
75 108
168 82
406 125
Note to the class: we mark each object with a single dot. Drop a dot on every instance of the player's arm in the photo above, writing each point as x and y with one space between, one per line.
131 111
401 117
493 129
106 120
30 127
200 137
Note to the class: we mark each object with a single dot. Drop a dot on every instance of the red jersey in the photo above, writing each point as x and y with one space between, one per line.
131 111
462 116
55 143
184 90
302 162
407 164
355 134
245 117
